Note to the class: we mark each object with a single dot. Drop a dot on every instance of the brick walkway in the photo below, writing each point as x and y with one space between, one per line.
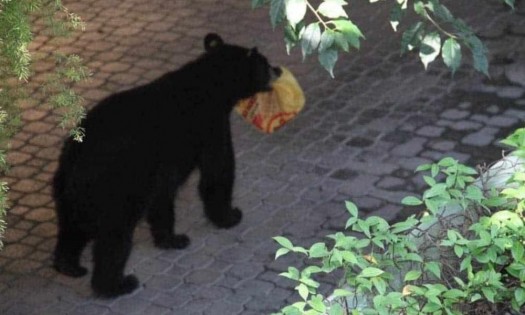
360 138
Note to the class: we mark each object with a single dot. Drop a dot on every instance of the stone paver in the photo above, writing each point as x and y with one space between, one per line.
359 138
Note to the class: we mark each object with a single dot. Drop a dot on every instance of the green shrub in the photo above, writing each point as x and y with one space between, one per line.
464 254
16 19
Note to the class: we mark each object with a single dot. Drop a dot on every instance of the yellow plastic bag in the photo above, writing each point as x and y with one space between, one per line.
268 111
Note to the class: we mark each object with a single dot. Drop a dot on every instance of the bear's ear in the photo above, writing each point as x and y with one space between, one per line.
212 41
252 52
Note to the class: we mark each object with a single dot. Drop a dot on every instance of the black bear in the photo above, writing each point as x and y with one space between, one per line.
140 145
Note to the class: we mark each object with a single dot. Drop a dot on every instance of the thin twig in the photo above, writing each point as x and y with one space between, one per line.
317 15
439 26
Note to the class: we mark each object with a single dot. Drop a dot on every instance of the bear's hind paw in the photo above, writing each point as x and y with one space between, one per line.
176 241
231 219
71 270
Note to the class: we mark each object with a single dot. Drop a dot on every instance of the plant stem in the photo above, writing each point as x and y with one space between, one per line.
317 15
439 26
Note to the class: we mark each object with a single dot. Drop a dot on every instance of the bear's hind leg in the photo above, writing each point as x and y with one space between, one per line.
70 243
111 251
161 218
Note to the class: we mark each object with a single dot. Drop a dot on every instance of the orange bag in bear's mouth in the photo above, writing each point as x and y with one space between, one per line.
268 111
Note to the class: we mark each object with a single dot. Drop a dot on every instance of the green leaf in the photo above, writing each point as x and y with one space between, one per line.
412 275
442 12
396 14
412 257
348 27
295 11
519 295
349 257
408 224
281 251
317 303
451 53
454 294
364 227
479 54
517 251
327 40
452 235
351 221
467 170
342 293
447 162
336 259
380 285
431 307
352 208
432 205
485 237
332 9
308 271
434 268
459 250
327 59
292 310
277 12
411 201
351 32
362 243
340 40
419 8
412 37
434 171
318 250
298 249
290 34
429 180
309 282
489 293
476 297
466 263
336 309
293 272
474 193
284 242
303 291
510 3
370 272
258 3
423 167
430 48
436 190
310 39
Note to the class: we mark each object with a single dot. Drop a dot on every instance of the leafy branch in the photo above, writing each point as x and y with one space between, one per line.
16 17
339 33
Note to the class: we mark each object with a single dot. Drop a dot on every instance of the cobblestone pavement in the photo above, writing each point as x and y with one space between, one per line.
360 138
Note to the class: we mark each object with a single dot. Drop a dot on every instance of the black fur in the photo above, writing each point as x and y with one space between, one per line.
140 146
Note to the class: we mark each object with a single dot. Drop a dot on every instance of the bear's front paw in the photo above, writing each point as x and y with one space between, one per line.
127 285
230 219
173 241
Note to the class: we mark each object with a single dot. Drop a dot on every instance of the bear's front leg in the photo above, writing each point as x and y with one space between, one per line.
161 213
217 168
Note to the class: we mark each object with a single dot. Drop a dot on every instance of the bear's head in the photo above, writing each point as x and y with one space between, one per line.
245 71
